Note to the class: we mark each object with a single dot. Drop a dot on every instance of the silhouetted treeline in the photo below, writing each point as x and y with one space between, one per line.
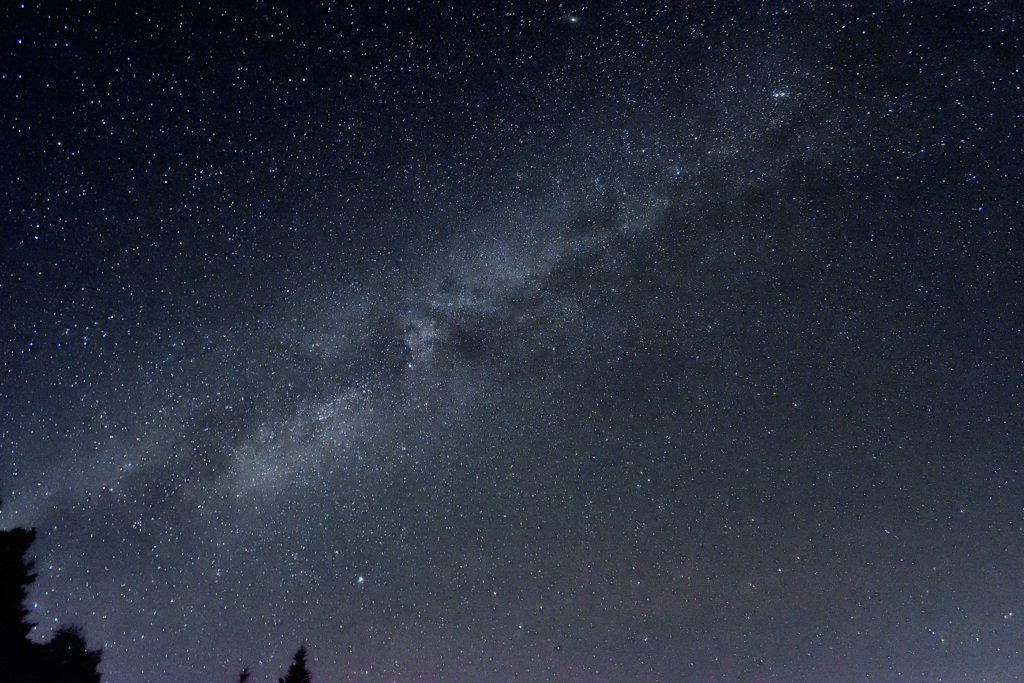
297 672
15 578
65 659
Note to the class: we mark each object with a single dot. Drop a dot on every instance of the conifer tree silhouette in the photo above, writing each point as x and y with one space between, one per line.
297 672
244 675
16 651
65 659
62 660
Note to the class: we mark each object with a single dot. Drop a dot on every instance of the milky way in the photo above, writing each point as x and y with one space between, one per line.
540 343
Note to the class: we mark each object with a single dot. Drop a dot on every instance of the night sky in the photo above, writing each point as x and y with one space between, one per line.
518 340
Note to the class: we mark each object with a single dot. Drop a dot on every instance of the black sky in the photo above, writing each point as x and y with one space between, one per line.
518 340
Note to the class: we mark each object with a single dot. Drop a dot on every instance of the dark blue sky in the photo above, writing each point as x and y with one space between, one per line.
517 340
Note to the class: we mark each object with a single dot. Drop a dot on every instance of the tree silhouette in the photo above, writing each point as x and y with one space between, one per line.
244 675
62 660
16 651
297 672
65 659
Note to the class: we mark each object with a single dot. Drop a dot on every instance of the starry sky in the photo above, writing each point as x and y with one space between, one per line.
518 340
